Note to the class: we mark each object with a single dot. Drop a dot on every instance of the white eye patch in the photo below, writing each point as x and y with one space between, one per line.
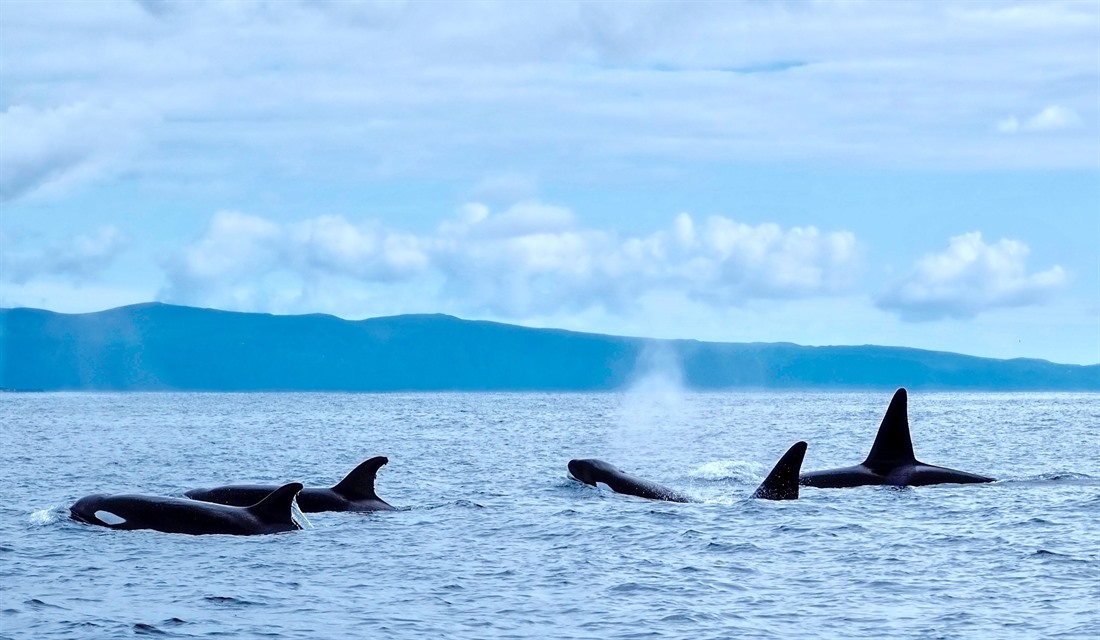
106 517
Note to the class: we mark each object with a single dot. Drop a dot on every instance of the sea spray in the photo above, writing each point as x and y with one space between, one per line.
299 516
654 411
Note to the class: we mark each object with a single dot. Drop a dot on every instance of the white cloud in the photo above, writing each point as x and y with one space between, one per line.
529 259
1052 118
543 89
334 245
244 261
53 147
78 259
236 246
968 278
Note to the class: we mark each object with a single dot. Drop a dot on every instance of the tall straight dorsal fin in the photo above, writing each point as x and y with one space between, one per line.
275 508
893 444
359 484
782 482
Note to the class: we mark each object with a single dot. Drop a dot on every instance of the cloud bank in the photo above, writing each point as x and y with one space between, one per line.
531 258
459 91
968 278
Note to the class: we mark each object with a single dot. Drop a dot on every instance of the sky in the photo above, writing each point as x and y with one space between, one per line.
918 174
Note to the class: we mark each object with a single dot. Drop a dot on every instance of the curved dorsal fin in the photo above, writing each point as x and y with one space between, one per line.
276 506
359 484
782 482
893 444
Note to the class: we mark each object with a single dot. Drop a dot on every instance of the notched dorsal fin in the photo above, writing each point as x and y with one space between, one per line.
359 484
782 482
893 444
276 506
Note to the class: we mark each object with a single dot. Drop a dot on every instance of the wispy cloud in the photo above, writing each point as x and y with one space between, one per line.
968 278
53 147
1052 118
531 258
79 258
545 88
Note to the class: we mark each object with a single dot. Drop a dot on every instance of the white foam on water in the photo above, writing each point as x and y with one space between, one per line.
44 516
738 470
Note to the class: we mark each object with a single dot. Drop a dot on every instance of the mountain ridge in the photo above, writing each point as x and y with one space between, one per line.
156 346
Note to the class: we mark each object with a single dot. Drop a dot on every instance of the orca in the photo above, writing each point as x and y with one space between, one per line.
591 471
271 514
891 461
781 483
354 493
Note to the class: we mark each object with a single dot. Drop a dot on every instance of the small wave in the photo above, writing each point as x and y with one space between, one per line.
1066 477
1059 476
231 601
737 470
83 625
466 504
143 629
1054 556
35 603
633 587
469 504
732 546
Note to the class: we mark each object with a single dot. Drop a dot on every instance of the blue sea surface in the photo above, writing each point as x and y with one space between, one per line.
495 541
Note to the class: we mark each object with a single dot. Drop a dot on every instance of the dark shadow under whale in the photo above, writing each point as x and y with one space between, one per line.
891 461
271 514
781 483
354 493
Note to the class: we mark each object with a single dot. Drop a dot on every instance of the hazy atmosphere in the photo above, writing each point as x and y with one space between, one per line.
920 174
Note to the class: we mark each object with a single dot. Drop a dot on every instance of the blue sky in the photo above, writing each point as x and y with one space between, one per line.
921 174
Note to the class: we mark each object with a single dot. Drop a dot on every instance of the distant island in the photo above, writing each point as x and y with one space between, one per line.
160 347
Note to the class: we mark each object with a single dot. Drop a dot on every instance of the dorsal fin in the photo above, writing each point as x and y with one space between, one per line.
275 508
893 444
359 484
782 482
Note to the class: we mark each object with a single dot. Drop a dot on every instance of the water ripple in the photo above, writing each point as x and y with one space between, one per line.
493 541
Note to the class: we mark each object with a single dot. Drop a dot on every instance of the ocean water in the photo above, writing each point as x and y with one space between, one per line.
494 541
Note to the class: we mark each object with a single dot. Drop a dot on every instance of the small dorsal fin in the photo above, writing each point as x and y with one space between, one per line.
275 508
893 444
359 484
782 482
